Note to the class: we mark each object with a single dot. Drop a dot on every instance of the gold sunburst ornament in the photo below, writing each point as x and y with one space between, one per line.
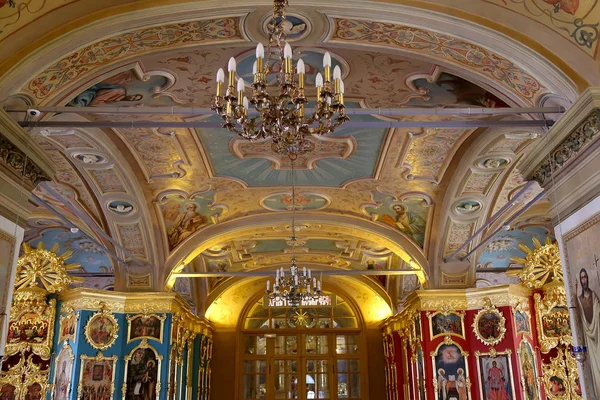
541 264
38 267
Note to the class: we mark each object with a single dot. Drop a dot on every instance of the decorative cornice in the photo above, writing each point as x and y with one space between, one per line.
579 140
135 303
15 148
574 132
457 300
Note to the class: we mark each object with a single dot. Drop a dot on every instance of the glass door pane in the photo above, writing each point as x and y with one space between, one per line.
348 379
286 379
317 379
255 379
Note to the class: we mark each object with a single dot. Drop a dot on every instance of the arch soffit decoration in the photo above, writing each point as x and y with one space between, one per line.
548 77
226 307
212 235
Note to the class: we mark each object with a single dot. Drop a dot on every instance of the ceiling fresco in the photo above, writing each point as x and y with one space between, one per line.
164 200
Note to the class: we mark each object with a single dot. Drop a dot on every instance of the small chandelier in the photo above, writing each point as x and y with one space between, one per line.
281 114
299 287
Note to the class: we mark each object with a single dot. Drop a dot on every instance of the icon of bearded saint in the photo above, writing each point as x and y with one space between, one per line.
568 6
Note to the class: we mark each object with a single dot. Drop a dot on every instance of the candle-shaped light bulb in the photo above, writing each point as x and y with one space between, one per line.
308 289
296 280
319 286
231 65
268 285
260 51
342 87
315 282
303 271
220 80
327 60
245 104
231 68
301 68
319 80
337 72
241 85
254 68
220 76
287 51
277 273
309 274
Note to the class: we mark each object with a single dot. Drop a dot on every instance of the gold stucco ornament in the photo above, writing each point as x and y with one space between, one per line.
541 264
38 267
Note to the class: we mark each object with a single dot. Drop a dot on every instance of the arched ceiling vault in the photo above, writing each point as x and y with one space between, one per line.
137 183
224 308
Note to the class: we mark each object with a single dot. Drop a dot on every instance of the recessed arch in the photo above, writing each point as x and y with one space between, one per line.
388 237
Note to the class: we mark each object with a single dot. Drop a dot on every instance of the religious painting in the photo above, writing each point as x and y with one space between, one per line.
529 375
142 372
409 216
127 88
63 370
522 322
97 377
583 278
495 375
101 330
451 372
417 324
446 323
35 392
184 216
8 392
172 372
555 323
68 327
30 327
452 91
149 326
489 324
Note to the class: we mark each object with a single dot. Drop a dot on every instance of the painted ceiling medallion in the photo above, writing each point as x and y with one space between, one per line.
493 162
467 207
295 26
89 158
120 207
304 201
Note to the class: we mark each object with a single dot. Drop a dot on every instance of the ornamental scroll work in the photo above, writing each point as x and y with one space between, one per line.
575 143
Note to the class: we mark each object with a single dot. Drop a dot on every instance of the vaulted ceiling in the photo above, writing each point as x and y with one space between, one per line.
127 189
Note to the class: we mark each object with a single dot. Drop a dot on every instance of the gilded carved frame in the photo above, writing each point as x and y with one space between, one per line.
102 313
557 368
489 308
67 348
522 308
553 302
46 312
446 311
70 314
143 345
99 357
526 343
493 354
448 341
131 318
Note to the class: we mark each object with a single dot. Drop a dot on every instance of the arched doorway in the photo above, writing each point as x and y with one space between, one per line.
313 352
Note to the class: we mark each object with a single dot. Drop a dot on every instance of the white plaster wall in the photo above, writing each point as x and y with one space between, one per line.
7 276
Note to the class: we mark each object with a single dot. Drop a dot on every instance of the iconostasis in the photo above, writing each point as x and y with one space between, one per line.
94 344
503 342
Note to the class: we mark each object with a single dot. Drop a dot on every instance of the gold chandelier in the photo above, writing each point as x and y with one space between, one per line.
281 114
